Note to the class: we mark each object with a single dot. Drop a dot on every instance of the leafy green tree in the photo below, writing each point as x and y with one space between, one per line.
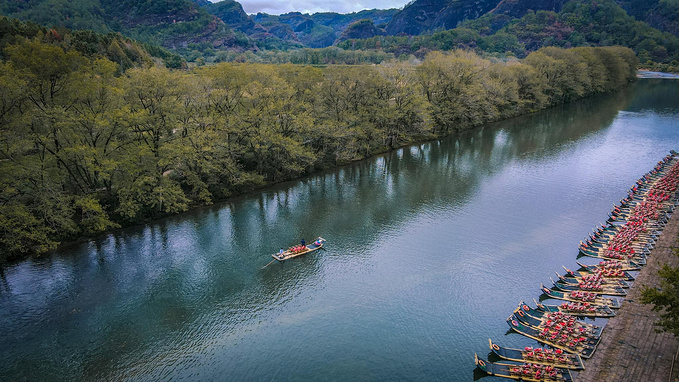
452 84
274 126
153 96
531 87
91 216
22 233
554 71
150 196
665 298
574 80
402 113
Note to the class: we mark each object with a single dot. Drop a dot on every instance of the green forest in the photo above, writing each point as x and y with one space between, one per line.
579 23
94 137
202 32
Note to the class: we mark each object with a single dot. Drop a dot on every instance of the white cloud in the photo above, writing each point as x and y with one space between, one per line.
313 6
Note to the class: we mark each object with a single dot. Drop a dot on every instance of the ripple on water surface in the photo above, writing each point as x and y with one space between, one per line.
430 248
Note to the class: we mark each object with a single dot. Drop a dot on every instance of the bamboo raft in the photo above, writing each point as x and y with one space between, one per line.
611 274
583 349
599 290
580 296
624 242
529 372
556 358
289 254
583 279
564 323
580 309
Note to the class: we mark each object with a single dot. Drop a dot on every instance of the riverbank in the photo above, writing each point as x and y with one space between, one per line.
630 348
175 140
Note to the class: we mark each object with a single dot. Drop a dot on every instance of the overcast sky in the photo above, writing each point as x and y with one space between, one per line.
275 7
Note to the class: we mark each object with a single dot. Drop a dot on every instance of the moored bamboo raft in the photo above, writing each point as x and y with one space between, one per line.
546 356
590 287
584 349
607 273
558 325
624 242
580 309
530 372
580 296
593 278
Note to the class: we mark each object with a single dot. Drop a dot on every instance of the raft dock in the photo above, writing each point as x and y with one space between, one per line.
642 232
630 348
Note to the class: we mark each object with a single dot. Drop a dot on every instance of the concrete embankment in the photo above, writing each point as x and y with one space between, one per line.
630 348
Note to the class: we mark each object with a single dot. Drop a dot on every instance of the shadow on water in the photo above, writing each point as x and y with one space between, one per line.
479 374
3 281
177 282
658 95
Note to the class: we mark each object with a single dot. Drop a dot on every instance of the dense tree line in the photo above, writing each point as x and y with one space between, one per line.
85 148
305 56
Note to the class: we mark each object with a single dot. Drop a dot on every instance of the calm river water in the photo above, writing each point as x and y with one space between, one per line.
430 248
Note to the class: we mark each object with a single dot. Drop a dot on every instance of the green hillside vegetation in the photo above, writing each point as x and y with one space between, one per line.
195 29
319 30
169 23
665 298
660 14
86 147
204 33
113 46
579 23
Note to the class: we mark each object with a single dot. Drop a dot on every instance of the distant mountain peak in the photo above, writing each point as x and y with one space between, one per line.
361 29
427 15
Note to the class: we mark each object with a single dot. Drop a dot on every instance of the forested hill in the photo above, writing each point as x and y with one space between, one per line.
426 16
423 16
122 51
319 30
202 31
660 14
577 23
171 23
182 24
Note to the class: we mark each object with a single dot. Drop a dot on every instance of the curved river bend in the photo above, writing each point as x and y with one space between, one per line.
429 249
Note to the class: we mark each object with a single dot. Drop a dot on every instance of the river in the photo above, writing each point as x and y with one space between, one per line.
430 248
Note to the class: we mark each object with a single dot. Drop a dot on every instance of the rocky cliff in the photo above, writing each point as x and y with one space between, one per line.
429 15
361 29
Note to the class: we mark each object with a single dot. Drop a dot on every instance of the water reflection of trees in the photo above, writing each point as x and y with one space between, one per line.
653 94
362 199
203 268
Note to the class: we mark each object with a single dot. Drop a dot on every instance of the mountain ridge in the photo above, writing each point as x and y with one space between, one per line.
201 29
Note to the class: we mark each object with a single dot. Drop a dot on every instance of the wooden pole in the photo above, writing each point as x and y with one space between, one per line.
267 264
